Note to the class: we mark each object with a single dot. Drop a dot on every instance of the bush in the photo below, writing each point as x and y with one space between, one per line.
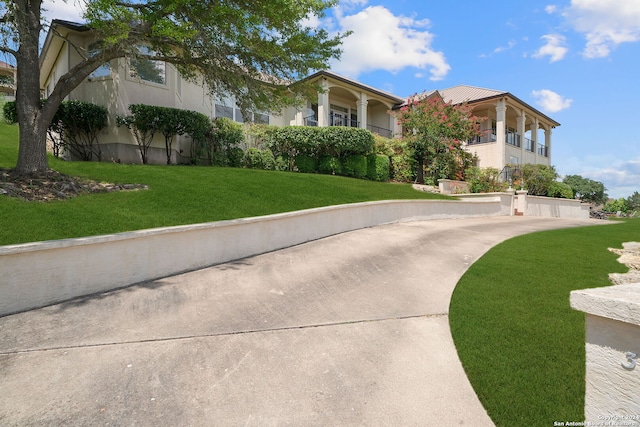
305 164
561 190
221 142
254 158
403 168
78 125
538 180
614 206
378 167
355 166
484 180
330 165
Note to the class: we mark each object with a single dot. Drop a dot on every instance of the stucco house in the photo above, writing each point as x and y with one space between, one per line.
8 76
512 125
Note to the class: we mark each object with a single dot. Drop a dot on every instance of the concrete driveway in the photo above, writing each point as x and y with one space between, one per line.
349 330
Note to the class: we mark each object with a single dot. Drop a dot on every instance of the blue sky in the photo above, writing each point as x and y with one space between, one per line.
578 61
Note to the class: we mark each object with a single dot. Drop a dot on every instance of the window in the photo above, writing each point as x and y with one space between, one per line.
147 69
224 111
102 71
260 118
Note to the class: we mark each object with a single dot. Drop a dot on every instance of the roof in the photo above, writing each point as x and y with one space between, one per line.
464 93
395 98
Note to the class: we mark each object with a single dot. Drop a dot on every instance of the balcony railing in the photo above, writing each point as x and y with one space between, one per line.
484 139
343 121
528 145
387 133
543 150
513 139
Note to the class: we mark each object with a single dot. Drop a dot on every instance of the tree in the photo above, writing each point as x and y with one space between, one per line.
250 50
633 201
587 189
435 130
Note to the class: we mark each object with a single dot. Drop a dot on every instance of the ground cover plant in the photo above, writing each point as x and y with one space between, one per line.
521 345
176 195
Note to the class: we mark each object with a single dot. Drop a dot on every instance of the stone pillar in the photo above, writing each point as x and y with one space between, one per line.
613 344
521 202
501 140
323 104
362 110
534 135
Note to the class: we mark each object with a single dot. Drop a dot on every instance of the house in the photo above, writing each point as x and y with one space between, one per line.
512 126
8 76
511 130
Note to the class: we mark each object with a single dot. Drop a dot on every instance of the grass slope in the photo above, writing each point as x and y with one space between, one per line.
519 341
177 195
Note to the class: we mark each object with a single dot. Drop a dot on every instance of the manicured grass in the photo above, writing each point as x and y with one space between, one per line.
177 195
520 343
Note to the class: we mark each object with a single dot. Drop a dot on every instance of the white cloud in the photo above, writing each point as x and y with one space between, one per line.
555 47
69 10
551 8
605 24
509 46
384 41
621 179
550 101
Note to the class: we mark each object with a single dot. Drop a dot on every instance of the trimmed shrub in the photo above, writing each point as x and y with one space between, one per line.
254 158
355 166
305 164
484 180
403 168
561 190
330 165
378 167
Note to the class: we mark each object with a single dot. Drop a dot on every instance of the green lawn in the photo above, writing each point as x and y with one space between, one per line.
520 343
177 195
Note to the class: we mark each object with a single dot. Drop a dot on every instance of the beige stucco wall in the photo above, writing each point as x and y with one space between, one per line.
556 208
42 273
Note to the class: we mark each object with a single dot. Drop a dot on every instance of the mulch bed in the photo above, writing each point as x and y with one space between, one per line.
53 185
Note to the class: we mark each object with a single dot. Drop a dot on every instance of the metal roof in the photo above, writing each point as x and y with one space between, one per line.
464 93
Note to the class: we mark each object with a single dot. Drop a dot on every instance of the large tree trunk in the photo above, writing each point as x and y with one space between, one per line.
32 154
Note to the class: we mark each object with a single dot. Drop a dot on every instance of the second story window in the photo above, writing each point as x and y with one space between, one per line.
147 69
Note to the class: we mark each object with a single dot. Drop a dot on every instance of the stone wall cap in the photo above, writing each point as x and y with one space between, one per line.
618 302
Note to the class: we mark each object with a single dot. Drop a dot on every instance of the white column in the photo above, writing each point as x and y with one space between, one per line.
501 140
534 136
323 104
362 110
547 141
521 124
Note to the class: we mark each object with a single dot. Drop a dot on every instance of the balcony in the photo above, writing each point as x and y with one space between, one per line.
513 139
483 139
528 145
543 150
338 120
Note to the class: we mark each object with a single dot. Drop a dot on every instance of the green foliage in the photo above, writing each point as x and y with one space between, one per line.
378 167
221 143
484 180
633 201
330 165
305 164
255 158
618 205
384 146
143 121
435 132
538 180
355 166
258 135
78 124
586 189
9 112
561 190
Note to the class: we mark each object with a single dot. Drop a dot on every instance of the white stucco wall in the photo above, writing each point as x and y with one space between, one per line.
42 273
556 208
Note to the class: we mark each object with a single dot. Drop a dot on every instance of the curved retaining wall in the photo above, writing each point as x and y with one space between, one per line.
42 273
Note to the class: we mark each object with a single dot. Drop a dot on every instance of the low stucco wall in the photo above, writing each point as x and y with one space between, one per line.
44 273
506 200
555 208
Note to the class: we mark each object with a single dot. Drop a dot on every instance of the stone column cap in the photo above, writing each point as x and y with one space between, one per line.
618 302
